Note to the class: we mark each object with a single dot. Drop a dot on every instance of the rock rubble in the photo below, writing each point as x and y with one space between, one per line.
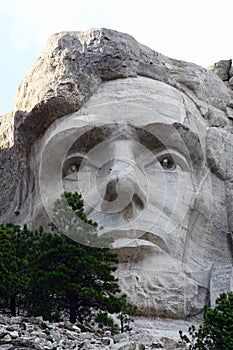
21 333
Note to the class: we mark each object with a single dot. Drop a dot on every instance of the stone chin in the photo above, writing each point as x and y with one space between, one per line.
163 290
157 283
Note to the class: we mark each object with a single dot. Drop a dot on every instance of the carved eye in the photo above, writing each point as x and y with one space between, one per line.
167 163
74 168
166 160
71 166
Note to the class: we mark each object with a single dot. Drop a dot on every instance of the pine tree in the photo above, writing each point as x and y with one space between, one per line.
69 219
72 276
217 331
67 276
51 273
13 275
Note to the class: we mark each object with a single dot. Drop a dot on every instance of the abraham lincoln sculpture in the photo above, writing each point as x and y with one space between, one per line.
148 141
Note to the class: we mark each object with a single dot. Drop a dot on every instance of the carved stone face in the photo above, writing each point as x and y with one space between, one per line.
134 151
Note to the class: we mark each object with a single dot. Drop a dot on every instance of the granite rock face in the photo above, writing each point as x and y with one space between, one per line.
148 141
224 70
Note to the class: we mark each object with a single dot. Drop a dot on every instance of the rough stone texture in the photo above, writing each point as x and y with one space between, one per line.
221 279
224 70
148 141
18 333
9 166
6 127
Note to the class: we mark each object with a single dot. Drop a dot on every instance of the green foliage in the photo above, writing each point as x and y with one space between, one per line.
46 274
217 331
125 311
16 250
69 219
74 278
105 321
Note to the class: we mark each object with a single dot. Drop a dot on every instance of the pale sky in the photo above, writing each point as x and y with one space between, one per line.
199 31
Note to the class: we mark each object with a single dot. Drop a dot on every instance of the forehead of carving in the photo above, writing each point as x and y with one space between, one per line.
126 98
115 131
135 108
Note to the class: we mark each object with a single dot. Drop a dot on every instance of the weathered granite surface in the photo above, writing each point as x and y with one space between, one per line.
18 333
224 70
148 140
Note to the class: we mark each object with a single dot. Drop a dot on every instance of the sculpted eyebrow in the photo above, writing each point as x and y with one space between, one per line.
96 135
90 139
156 135
192 142
176 136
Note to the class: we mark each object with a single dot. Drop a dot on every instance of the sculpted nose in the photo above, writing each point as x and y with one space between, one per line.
123 191
111 191
121 172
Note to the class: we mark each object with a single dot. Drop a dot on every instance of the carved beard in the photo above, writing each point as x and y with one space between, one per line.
161 293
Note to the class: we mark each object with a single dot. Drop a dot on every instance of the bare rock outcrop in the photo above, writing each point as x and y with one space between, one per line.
224 70
36 334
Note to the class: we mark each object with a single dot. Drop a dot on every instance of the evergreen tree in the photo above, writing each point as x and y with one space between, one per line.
13 276
217 331
51 273
74 276
68 276
69 219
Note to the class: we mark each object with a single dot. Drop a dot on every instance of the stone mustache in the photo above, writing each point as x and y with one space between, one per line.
148 142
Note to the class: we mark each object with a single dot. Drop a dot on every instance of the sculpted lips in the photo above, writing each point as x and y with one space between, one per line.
136 245
137 238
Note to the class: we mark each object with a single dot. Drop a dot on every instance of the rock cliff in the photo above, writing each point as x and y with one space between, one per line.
149 141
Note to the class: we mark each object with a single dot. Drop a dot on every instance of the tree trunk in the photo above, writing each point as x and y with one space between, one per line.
73 313
122 322
13 305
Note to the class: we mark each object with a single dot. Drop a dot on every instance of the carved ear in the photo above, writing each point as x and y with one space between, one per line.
219 152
